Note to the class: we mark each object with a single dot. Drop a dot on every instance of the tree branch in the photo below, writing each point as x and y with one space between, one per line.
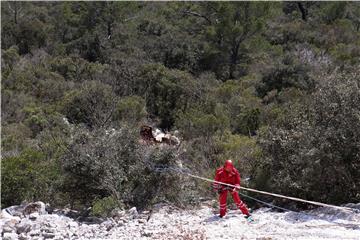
197 15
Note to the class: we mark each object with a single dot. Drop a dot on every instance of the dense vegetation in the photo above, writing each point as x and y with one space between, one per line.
274 86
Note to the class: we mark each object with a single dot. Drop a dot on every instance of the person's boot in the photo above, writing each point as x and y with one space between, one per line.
249 218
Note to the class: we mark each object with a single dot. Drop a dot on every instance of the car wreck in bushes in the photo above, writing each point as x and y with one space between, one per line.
156 136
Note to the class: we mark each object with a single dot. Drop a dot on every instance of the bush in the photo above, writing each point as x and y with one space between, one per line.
289 75
110 164
9 58
242 105
100 163
248 121
130 109
195 123
151 186
13 138
314 152
243 150
35 119
103 207
29 176
92 105
76 69
346 54
35 80
166 92
30 35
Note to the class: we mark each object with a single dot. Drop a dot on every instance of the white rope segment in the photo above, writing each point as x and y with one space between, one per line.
272 194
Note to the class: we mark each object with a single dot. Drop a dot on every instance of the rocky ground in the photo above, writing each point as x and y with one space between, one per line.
167 222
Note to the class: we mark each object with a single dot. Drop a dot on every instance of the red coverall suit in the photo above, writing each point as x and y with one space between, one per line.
228 174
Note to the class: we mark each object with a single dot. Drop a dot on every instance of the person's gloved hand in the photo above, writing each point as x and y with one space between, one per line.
236 188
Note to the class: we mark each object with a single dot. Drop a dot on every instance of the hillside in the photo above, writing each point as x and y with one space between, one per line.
97 96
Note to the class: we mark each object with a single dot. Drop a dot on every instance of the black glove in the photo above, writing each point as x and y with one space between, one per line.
224 188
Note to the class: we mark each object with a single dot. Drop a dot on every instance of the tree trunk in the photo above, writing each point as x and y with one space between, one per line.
15 9
303 11
15 15
109 29
233 59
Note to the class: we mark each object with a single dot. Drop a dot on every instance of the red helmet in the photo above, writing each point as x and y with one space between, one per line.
228 166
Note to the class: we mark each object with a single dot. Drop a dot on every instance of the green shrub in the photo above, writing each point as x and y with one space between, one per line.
243 150
314 152
166 92
91 105
76 69
195 123
13 104
130 109
14 137
35 119
111 163
289 75
29 176
100 163
103 207
346 54
247 121
152 186
9 58
32 34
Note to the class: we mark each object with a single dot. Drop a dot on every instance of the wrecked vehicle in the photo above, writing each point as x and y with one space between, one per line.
150 136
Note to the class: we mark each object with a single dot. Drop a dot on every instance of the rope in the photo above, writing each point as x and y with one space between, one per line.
352 226
298 199
162 168
268 204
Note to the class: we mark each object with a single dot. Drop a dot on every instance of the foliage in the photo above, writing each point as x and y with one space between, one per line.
35 119
14 138
314 152
76 69
166 91
103 207
230 25
130 109
29 176
195 123
92 104
27 35
287 75
241 80
111 165
242 105
9 58
151 186
243 150
101 163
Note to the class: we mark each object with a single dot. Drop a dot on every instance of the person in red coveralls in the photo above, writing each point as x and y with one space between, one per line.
228 174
